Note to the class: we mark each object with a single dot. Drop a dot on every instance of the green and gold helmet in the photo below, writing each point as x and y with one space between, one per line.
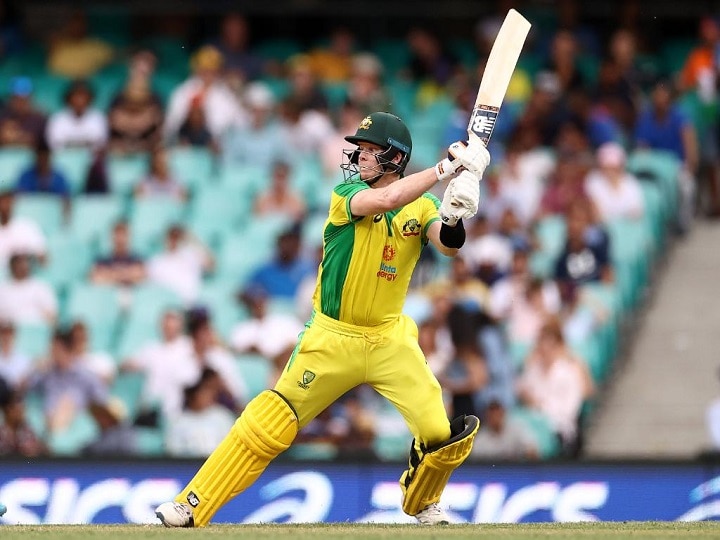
387 131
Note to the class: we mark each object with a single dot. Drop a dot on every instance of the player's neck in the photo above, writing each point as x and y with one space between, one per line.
385 180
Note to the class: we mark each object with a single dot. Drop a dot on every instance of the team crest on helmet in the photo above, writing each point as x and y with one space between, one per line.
411 228
366 123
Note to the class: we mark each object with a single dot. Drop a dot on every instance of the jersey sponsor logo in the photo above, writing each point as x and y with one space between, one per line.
387 272
388 253
483 121
307 378
193 499
411 228
366 123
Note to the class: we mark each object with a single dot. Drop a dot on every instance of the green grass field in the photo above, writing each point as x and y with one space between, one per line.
351 531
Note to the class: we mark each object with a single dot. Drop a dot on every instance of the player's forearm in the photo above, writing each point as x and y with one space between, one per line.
407 189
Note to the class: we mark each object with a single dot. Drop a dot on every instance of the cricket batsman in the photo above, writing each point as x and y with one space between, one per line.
379 221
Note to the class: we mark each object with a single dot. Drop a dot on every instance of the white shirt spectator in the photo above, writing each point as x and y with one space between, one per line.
491 249
223 363
522 192
270 336
198 433
506 291
66 129
169 367
179 270
100 363
309 133
27 301
557 391
623 200
20 235
15 366
219 104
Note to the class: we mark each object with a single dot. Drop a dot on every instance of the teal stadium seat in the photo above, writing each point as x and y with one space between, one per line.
150 218
547 443
192 167
70 442
98 306
393 53
33 339
255 371
662 167
278 49
49 92
69 260
128 387
220 298
125 172
74 163
45 210
93 216
218 208
13 162
249 179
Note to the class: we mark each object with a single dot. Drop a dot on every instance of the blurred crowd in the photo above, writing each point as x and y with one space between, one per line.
159 247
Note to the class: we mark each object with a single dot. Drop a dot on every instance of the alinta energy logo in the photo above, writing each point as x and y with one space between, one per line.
387 271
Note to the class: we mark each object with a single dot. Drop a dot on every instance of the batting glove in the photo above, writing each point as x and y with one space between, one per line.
448 167
461 198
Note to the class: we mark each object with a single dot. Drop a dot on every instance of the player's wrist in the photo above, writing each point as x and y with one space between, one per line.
445 170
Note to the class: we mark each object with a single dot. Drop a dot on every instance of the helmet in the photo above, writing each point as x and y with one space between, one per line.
387 131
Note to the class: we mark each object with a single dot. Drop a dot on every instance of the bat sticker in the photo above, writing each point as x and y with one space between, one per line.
482 122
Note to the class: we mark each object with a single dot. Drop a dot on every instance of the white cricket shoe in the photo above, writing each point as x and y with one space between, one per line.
175 514
432 515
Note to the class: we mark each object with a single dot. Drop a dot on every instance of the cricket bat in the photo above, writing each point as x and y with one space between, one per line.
498 71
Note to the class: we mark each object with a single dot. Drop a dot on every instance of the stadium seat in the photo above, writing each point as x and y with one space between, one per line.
278 49
551 232
81 432
13 162
249 178
74 163
255 371
45 210
219 297
98 306
93 216
49 92
128 388
217 208
395 54
69 260
547 442
191 166
125 172
150 441
661 167
33 339
150 218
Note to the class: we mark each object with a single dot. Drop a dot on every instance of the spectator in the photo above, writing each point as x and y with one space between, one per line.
488 253
42 177
135 117
527 315
97 180
365 88
260 141
614 92
239 60
271 335
279 197
562 62
121 266
65 387
194 131
74 53
209 353
664 126
512 290
281 277
466 374
555 383
181 265
566 185
202 423
520 186
15 365
331 151
461 286
305 91
699 70
168 367
205 89
16 436
77 124
433 333
25 299
305 131
18 235
99 363
21 124
586 257
117 436
581 315
501 437
615 192
160 182
430 64
333 63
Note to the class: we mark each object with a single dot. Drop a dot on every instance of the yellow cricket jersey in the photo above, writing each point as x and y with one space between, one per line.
368 261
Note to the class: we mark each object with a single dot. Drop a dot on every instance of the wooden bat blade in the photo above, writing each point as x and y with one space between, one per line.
498 71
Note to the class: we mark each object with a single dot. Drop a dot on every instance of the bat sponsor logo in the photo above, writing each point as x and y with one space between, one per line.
193 499
483 121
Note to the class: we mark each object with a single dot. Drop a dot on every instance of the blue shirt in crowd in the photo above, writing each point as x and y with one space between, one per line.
662 134
31 182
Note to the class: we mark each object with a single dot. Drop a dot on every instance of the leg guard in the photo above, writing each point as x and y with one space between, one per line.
429 470
266 428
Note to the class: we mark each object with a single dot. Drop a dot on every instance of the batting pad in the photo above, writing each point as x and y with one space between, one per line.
429 471
267 427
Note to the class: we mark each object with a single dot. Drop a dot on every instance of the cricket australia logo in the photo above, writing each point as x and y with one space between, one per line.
411 228
366 123
483 121
307 378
